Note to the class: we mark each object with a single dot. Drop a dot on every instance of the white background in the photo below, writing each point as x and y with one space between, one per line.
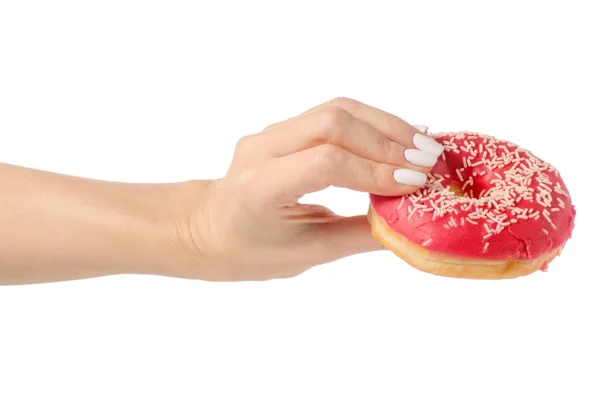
151 91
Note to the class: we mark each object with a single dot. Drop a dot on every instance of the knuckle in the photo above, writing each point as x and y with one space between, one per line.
270 126
344 102
334 117
329 157
334 121
387 149
243 145
378 175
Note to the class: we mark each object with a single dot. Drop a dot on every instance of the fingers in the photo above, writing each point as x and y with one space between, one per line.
283 181
342 143
334 125
388 124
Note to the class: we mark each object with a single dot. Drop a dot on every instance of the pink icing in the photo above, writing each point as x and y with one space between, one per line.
527 214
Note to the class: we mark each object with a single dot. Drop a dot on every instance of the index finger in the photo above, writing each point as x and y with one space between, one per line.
388 124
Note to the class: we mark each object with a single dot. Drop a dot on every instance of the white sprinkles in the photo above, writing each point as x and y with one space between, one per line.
518 176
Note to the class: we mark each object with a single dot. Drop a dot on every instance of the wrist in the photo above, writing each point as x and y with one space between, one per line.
185 248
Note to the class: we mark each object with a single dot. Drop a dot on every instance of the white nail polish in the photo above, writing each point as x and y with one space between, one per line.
422 129
420 158
410 177
427 144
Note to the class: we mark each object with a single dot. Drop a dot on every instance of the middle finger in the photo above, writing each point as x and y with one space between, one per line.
335 125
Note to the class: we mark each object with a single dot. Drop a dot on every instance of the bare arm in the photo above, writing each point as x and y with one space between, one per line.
55 227
246 226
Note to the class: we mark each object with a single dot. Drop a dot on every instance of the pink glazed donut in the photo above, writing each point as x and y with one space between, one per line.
489 210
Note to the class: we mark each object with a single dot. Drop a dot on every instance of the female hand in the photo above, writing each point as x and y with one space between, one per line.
250 226
246 226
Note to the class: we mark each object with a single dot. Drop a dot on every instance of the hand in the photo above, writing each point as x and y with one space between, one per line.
250 226
246 226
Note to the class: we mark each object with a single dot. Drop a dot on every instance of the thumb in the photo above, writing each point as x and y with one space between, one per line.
347 236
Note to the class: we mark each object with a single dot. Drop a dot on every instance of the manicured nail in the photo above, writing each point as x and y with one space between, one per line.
410 177
422 128
427 144
420 158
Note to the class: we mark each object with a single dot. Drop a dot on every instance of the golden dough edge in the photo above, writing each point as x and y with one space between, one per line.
448 266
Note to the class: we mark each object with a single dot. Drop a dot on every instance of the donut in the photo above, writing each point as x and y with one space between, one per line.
488 210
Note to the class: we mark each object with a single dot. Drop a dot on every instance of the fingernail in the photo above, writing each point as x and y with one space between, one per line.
410 177
422 128
420 158
427 144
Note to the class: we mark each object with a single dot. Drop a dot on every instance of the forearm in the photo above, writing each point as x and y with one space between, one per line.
55 227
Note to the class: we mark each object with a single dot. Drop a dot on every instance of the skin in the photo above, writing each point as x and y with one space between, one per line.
248 225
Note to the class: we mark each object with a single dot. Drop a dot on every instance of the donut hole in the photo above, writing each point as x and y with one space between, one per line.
456 189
